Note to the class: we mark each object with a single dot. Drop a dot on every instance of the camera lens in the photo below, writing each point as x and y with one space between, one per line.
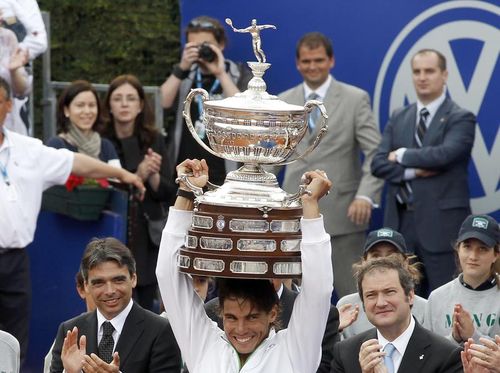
206 53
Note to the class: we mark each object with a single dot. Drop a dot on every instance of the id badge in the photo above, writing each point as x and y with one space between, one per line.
11 193
199 127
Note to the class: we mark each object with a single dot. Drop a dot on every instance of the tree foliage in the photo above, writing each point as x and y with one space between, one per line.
99 39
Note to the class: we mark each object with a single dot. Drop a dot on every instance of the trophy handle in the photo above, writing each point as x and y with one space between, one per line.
309 106
296 196
184 178
187 115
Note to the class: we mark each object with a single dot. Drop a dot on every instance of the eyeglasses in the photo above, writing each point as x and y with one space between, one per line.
201 24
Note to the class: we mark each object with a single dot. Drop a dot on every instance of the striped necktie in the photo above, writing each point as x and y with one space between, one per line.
421 126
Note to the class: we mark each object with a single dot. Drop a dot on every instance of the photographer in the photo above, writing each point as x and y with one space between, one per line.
202 65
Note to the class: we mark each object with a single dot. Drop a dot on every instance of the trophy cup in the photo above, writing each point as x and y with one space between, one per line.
248 227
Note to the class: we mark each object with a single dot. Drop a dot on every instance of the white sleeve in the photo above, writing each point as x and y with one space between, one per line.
56 165
35 40
193 329
311 308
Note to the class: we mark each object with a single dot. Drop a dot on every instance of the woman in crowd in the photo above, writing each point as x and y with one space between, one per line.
468 306
141 149
380 243
78 119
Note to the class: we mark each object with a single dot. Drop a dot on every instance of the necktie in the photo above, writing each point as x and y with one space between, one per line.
389 350
421 127
107 343
314 115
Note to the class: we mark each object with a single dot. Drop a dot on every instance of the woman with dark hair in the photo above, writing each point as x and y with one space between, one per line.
469 306
141 149
78 121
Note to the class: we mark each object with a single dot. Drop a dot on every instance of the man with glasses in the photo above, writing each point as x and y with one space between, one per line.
202 65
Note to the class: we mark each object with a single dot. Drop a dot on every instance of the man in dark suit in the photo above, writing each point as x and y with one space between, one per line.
119 335
398 343
287 299
424 156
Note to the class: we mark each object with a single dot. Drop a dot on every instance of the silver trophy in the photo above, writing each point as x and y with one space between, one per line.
249 226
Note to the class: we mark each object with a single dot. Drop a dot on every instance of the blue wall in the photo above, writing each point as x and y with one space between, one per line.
372 43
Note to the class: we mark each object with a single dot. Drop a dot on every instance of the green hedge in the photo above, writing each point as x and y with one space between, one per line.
99 39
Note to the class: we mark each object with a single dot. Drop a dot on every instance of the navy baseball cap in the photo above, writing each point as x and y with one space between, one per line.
385 235
482 227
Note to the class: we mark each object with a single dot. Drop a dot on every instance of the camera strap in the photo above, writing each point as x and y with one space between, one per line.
199 126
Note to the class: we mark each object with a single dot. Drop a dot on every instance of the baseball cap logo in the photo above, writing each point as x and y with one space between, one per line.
480 223
384 233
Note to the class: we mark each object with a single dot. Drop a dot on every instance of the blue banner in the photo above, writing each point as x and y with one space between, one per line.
373 42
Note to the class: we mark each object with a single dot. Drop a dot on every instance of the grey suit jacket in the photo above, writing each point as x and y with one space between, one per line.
146 343
426 353
441 202
352 130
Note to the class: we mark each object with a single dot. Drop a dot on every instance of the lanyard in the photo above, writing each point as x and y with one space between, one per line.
199 101
3 169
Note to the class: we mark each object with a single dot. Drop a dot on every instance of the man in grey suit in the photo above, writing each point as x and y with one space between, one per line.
119 335
352 130
397 343
424 155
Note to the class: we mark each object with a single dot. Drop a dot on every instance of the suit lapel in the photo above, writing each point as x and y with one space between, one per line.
410 125
437 124
91 332
132 330
417 352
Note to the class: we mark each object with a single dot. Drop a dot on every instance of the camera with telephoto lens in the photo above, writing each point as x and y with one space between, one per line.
206 53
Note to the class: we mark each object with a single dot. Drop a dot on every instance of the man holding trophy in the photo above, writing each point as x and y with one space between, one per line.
248 342
248 231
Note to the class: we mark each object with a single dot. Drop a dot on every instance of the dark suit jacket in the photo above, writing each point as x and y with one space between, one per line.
146 343
441 202
426 353
287 300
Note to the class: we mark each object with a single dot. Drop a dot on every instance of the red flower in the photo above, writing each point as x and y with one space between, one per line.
74 181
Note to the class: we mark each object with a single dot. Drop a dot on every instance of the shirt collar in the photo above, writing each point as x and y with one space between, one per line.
280 291
118 321
320 91
6 143
401 342
488 284
433 106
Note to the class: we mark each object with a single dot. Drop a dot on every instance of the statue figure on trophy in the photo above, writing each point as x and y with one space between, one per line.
254 30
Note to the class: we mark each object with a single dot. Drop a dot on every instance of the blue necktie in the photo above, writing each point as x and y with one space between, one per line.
314 115
389 350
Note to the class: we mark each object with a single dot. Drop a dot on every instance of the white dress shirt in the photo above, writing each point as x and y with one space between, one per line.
118 322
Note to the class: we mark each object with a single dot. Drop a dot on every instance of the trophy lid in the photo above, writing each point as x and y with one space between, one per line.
255 98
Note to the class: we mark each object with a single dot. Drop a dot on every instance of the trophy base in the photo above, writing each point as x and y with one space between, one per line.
236 242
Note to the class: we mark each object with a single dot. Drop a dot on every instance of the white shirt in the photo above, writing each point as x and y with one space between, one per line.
118 321
28 13
204 346
31 167
320 91
400 343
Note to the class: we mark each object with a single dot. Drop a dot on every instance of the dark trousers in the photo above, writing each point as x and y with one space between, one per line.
438 267
15 295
